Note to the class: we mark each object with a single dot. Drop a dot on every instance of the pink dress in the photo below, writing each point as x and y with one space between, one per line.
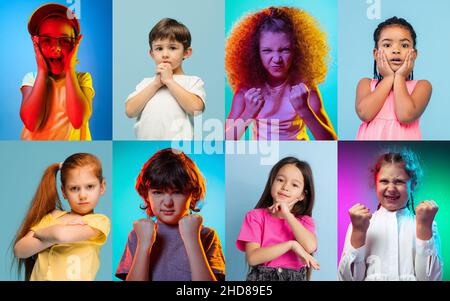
385 126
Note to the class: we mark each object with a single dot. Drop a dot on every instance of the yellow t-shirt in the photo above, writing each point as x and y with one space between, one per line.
57 125
74 261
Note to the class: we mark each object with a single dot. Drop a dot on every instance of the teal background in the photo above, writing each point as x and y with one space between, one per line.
246 179
430 21
128 160
23 164
325 12
132 22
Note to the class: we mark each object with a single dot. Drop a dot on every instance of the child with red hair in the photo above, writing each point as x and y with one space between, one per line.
274 60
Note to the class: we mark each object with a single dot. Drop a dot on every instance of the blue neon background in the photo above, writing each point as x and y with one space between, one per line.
22 168
246 179
129 156
17 58
429 20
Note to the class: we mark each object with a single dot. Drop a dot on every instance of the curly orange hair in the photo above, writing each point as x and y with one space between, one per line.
310 48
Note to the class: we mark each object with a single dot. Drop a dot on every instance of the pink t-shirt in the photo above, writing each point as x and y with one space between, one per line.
261 227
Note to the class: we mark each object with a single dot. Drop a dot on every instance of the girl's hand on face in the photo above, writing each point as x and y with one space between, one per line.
383 65
40 60
408 65
145 231
360 217
306 258
254 101
72 60
164 70
299 97
282 209
425 213
189 226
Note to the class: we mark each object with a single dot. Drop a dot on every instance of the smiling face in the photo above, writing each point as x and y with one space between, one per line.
170 51
393 186
288 185
168 206
82 189
56 41
395 41
276 53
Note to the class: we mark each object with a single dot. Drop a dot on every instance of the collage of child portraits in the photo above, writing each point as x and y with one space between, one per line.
224 140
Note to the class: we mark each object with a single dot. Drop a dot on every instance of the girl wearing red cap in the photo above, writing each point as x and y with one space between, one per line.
57 100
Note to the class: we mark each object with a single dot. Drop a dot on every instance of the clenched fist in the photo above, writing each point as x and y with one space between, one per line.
145 231
299 97
360 216
425 213
189 226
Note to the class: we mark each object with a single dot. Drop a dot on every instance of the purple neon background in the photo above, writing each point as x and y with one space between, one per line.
355 183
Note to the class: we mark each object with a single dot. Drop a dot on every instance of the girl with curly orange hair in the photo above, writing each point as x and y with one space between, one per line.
274 60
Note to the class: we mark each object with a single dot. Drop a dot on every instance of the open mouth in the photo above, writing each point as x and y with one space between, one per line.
55 60
391 198
396 61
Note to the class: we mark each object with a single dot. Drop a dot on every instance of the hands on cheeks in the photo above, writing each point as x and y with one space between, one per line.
72 60
408 65
40 60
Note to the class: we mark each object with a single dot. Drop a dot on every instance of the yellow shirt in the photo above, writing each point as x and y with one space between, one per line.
57 125
72 261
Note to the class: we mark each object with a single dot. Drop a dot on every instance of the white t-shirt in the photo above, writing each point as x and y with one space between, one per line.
162 117
392 251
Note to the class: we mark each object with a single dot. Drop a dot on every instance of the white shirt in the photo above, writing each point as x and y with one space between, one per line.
162 117
392 251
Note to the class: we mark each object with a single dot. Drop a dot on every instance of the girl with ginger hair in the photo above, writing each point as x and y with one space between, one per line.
275 58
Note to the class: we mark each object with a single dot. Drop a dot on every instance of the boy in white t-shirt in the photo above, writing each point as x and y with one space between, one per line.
164 102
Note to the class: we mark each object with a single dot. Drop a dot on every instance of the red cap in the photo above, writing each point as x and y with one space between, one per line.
49 10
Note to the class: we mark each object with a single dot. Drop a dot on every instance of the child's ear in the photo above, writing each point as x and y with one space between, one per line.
102 187
375 54
150 52
187 53
63 192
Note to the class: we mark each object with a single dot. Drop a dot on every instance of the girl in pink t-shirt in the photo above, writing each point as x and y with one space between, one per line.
278 235
390 104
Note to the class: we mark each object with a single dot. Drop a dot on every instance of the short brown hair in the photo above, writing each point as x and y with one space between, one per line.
170 29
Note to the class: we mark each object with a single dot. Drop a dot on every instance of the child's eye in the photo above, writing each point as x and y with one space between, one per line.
173 48
91 186
405 45
286 50
383 181
386 45
74 189
265 50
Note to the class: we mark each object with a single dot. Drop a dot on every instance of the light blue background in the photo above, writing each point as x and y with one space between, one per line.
430 21
133 21
325 12
23 164
129 157
246 178
17 58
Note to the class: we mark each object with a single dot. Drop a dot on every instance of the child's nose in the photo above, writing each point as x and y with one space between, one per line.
168 200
